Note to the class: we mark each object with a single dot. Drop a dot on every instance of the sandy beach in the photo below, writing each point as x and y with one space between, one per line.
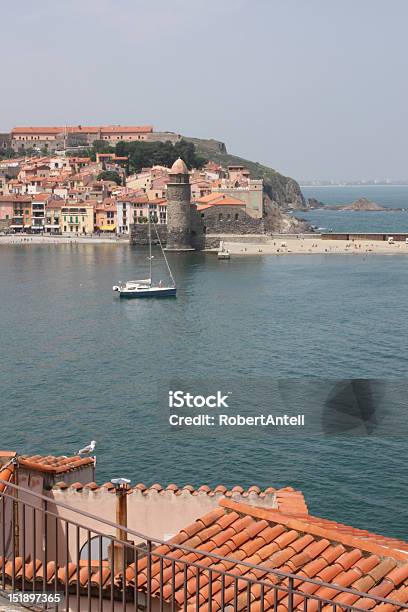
274 246
316 246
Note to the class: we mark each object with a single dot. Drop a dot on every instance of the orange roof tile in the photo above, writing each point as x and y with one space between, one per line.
217 199
219 491
208 198
51 464
15 198
275 541
41 197
74 129
126 129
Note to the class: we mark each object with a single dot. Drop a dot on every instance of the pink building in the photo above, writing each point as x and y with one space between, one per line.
6 211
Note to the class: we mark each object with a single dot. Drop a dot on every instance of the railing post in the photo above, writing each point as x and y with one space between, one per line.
3 543
45 543
66 565
290 595
23 552
149 576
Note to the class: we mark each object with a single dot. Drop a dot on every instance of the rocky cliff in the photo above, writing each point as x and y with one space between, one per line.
282 190
278 222
362 204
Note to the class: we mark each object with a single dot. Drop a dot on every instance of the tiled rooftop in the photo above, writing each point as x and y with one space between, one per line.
311 548
275 541
220 200
51 464
90 129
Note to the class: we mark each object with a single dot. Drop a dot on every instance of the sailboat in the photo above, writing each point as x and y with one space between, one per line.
146 288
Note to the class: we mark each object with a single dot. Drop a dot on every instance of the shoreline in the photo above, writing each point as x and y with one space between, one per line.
316 246
20 239
272 246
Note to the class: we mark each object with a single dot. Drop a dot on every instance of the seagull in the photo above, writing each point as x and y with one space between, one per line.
87 450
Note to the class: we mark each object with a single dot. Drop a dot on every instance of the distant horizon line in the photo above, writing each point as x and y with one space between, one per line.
356 183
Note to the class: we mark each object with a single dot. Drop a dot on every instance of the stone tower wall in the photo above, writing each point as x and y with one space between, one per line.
179 213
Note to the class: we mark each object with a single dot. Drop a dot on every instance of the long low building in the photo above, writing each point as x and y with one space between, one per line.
60 137
398 236
54 137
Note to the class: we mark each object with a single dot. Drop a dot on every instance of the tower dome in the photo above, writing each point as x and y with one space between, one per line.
179 167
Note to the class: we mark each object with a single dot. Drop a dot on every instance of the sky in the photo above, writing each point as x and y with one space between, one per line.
317 89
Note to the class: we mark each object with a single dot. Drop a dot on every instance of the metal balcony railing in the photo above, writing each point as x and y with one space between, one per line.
48 546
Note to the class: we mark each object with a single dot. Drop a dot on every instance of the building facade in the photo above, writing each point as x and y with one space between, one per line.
77 218
106 216
52 138
250 193
6 212
22 206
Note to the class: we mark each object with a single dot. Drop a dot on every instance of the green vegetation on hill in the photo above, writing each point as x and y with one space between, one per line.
148 154
109 175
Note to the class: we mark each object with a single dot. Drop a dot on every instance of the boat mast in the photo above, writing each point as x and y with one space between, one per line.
150 248
164 255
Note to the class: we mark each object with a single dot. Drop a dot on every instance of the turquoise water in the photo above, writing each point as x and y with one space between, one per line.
79 364
390 196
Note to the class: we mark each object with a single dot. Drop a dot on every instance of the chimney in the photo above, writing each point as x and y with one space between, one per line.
120 553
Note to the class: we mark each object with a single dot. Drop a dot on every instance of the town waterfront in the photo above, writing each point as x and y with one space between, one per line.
80 364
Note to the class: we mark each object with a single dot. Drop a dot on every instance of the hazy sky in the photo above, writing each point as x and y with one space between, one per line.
314 88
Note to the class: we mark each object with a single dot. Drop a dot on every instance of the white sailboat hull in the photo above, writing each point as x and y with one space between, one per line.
145 292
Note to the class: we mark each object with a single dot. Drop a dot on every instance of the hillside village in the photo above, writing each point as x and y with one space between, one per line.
73 182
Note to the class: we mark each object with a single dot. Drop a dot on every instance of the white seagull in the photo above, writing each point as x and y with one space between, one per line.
87 450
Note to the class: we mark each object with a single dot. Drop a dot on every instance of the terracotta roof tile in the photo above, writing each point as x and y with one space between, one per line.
86 129
249 536
51 464
398 575
307 546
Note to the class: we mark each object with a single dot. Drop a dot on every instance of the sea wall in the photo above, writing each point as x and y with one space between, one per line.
139 234
401 237
212 241
230 220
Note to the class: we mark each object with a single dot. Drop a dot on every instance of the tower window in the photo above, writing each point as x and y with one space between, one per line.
220 217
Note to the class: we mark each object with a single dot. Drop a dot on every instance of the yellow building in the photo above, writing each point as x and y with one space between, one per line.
77 218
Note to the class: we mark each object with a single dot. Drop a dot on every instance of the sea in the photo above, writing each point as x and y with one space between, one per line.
388 196
269 332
